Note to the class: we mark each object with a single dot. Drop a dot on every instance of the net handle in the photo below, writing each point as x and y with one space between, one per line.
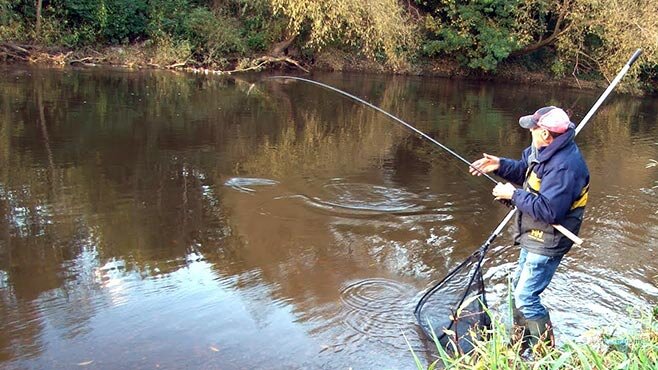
580 126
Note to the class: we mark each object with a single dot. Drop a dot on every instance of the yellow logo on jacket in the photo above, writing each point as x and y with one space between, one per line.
537 235
534 183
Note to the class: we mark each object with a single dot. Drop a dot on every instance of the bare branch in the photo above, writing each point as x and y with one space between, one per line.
559 30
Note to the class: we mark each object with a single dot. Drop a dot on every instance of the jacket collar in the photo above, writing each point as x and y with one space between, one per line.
558 144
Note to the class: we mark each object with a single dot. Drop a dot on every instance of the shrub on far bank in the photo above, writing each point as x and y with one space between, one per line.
195 31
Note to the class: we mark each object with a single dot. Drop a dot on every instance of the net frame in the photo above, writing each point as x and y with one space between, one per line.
462 321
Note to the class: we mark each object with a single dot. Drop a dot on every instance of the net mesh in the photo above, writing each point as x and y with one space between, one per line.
462 287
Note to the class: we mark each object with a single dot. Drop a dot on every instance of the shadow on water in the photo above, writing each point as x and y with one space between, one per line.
159 219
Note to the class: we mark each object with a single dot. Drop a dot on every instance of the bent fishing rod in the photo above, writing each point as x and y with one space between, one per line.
573 237
412 128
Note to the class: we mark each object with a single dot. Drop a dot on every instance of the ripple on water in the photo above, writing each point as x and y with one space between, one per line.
358 198
377 310
244 184
4 279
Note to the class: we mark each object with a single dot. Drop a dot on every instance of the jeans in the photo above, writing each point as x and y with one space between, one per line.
532 276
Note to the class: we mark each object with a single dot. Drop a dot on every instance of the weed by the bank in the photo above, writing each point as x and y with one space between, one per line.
636 350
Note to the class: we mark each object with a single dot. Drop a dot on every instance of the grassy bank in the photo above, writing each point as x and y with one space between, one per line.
636 350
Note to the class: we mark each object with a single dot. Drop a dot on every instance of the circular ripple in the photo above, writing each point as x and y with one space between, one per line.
244 184
367 197
378 310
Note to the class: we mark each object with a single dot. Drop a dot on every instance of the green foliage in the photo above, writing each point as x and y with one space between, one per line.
559 68
167 17
480 33
255 32
236 27
112 21
209 32
11 27
167 51
591 39
211 35
55 32
7 13
374 29
122 20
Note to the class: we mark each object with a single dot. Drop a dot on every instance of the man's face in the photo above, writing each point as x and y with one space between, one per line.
539 137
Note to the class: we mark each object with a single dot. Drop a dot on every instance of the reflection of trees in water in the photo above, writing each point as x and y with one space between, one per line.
21 319
351 141
66 193
131 166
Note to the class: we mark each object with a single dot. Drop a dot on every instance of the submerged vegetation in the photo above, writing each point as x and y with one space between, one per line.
637 350
584 38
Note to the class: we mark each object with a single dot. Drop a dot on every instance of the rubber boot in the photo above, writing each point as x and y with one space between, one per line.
541 330
520 332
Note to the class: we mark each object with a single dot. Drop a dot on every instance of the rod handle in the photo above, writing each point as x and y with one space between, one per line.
636 55
573 237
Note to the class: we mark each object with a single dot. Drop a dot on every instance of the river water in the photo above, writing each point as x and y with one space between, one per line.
174 221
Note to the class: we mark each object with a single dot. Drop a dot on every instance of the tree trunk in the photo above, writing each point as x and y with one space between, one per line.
279 49
38 25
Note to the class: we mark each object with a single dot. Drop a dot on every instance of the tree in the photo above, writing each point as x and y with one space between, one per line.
604 34
585 35
379 28
38 25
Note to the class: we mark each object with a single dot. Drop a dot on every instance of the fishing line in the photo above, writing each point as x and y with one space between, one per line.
405 124
560 228
450 310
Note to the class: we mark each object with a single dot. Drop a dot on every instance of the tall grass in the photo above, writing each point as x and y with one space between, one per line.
633 351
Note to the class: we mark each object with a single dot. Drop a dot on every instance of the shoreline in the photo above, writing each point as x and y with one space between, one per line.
136 56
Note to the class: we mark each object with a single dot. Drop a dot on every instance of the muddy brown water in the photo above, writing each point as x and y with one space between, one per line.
174 221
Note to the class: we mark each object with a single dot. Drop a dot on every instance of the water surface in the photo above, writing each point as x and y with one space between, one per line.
160 220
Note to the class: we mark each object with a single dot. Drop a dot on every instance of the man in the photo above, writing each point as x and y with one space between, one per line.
555 184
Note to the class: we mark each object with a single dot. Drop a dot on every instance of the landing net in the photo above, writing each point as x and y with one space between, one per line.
455 308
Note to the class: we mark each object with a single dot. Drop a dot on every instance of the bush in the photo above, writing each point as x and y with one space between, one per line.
648 78
122 20
11 27
213 35
113 21
480 33
54 32
167 17
167 51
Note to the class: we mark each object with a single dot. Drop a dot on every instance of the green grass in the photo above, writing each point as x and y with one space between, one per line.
634 351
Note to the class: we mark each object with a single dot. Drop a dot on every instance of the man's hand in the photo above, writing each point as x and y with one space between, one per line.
485 164
503 191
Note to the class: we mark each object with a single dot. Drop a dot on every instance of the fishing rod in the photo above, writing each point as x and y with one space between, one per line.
445 289
412 128
483 249
573 237
580 126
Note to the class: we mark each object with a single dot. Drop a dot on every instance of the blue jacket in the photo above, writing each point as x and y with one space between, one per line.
555 184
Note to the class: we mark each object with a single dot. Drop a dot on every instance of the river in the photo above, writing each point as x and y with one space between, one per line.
154 219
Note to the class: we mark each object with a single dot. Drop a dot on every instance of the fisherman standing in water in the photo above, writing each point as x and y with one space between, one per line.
555 184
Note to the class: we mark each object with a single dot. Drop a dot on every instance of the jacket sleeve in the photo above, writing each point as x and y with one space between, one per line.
513 170
558 191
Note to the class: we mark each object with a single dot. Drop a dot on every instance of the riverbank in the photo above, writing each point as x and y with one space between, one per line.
600 350
146 55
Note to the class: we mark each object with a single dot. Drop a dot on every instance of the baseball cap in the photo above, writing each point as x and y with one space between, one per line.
551 118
